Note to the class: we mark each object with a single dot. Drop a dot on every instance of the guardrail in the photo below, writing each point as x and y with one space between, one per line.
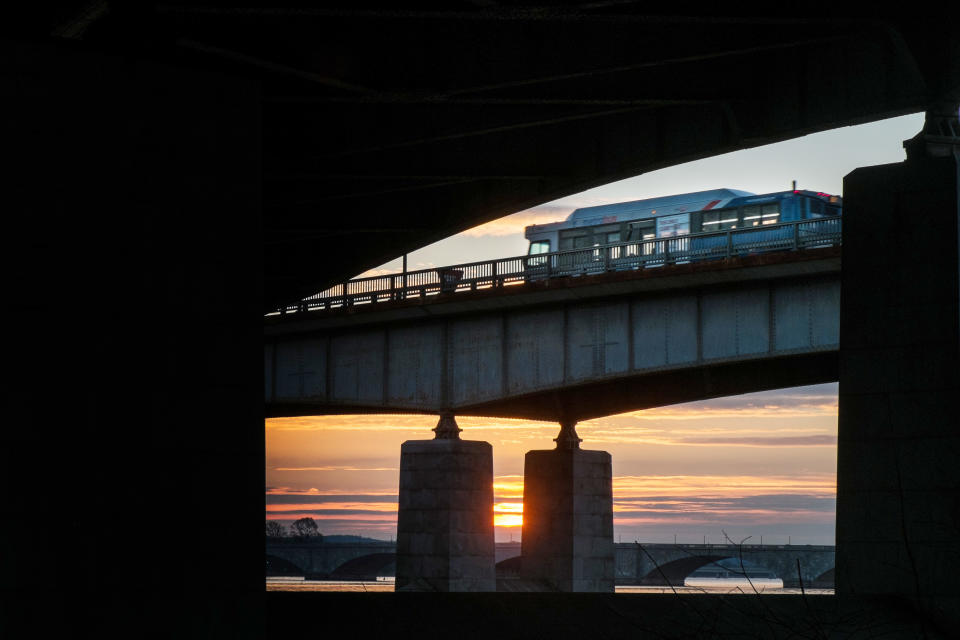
619 256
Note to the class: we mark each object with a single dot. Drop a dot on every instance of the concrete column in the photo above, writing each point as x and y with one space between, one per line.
898 466
445 519
567 540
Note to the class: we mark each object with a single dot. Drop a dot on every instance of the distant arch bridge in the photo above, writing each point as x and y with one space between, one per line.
658 564
651 564
331 560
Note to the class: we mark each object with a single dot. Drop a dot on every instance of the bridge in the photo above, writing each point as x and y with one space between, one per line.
563 336
636 563
326 560
622 336
657 564
183 170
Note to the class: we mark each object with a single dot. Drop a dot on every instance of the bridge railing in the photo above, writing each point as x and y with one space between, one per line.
618 256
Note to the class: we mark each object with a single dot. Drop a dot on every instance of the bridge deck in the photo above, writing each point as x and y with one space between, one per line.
611 342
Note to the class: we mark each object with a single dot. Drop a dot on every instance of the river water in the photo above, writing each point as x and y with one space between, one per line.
735 586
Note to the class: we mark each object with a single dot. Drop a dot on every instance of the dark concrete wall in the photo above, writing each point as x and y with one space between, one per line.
588 615
133 420
898 477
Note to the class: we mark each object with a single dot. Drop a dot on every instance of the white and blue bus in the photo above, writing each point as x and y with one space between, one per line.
688 226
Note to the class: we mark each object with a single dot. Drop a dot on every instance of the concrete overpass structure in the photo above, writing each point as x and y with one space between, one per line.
182 170
577 348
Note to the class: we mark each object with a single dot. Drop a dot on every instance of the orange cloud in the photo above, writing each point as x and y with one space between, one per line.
373 517
515 223
313 491
508 507
333 506
723 486
788 407
335 469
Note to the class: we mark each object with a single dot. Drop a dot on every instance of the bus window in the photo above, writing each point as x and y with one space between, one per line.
537 248
710 221
770 213
606 234
816 208
718 220
643 230
752 216
574 239
540 246
675 225
639 231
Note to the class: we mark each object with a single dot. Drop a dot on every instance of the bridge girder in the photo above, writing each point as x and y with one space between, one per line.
585 348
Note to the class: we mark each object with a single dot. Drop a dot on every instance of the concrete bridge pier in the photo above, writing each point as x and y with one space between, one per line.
568 516
445 520
898 467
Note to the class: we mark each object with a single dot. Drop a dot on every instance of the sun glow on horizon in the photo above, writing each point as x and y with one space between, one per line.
508 514
508 520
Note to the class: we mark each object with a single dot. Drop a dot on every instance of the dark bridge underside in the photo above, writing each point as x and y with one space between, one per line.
671 387
367 567
388 126
631 393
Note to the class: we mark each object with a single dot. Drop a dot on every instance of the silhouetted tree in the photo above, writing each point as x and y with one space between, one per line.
275 529
305 528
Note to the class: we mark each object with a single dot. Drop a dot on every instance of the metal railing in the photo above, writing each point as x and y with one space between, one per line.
618 256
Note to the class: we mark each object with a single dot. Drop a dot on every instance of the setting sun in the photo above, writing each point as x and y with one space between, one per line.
507 520
508 514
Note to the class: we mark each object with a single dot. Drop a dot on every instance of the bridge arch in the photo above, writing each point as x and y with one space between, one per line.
366 567
676 571
277 566
825 578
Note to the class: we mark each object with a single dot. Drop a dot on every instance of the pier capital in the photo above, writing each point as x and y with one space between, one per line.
567 438
447 428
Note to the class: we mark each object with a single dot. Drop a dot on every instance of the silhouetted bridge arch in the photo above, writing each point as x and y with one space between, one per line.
333 561
670 563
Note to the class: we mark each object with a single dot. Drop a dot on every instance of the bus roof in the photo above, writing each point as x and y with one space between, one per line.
654 207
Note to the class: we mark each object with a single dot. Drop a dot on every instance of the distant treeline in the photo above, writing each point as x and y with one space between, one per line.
302 529
306 530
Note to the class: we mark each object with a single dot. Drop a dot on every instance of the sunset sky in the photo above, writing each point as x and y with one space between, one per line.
762 464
